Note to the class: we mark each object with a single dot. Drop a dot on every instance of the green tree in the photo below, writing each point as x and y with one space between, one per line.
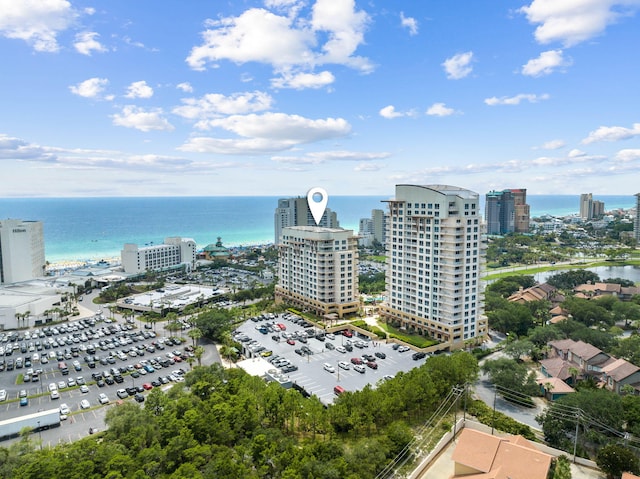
562 468
614 459
214 323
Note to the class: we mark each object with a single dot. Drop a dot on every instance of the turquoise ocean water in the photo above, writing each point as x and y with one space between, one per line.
95 228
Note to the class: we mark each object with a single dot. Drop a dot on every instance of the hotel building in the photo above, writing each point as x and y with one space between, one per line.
435 257
21 251
589 208
174 252
318 270
507 211
372 229
296 212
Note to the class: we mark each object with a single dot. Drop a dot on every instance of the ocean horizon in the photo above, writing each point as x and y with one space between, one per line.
90 229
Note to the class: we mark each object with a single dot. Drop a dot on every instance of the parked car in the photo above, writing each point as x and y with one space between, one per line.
329 368
64 409
344 365
359 368
356 361
103 399
84 404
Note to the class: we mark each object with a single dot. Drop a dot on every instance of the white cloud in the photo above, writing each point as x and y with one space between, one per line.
301 81
91 88
214 105
612 133
440 109
37 22
141 119
267 133
545 64
284 42
12 148
516 100
326 156
86 42
185 87
552 145
575 153
390 112
369 167
458 66
410 23
139 89
574 21
628 155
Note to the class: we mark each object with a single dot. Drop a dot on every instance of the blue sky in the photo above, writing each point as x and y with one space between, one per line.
273 97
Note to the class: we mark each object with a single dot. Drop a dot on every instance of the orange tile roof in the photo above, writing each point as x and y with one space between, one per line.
500 458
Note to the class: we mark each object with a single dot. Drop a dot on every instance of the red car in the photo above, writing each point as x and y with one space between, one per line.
356 360
372 364
147 386
291 342
346 333
282 327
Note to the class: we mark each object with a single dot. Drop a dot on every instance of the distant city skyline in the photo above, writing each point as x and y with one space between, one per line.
273 97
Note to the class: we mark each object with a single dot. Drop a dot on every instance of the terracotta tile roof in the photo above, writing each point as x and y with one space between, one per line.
585 350
557 367
557 385
558 310
628 475
558 319
620 369
500 458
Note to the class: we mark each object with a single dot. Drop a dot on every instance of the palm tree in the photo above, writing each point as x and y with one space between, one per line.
195 334
199 351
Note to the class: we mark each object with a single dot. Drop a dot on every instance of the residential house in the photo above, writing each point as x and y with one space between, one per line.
619 373
596 290
543 291
479 455
553 388
585 357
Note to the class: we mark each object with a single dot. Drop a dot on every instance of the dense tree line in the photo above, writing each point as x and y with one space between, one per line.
230 425
372 283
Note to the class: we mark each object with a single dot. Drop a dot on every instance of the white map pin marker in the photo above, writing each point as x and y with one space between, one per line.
317 199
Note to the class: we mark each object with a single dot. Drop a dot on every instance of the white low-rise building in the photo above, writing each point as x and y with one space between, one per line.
173 252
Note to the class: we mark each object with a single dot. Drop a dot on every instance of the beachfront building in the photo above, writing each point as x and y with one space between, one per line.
372 229
318 270
435 258
636 220
296 212
21 251
175 252
507 211
589 208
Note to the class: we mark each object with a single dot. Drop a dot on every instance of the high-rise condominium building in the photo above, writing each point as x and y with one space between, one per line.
589 208
507 211
372 229
172 253
636 221
21 251
296 212
435 257
318 270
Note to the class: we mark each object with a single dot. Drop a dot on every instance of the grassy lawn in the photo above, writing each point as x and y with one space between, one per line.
413 339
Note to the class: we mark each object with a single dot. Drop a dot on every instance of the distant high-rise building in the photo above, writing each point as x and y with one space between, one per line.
21 250
589 208
435 259
500 212
522 210
296 212
318 270
636 220
174 252
372 229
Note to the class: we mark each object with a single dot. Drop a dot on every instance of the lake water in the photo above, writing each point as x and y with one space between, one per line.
631 273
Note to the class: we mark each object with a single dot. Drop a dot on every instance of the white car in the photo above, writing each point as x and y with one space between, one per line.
341 349
84 389
71 382
3 394
103 399
64 409
329 368
344 365
330 336
54 394
53 387
84 404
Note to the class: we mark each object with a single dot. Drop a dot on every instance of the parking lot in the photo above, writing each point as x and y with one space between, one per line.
318 362
83 366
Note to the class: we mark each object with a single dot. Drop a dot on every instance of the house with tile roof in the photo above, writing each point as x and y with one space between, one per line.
596 290
479 455
553 388
620 372
543 291
584 356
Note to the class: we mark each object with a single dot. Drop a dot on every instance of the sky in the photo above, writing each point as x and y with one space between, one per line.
274 97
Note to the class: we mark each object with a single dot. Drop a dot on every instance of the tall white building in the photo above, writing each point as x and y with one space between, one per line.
636 220
435 256
21 251
173 252
318 270
296 212
372 229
